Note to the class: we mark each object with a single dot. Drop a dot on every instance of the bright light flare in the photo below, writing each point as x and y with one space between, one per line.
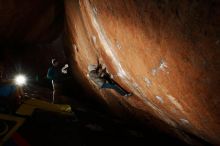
20 80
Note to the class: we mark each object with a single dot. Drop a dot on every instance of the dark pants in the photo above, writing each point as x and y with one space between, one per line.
115 87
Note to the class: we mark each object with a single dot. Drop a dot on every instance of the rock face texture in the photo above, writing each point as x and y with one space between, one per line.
165 52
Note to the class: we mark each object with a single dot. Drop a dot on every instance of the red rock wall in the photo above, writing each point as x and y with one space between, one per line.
165 52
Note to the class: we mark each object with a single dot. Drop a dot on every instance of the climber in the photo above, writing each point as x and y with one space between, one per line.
102 79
